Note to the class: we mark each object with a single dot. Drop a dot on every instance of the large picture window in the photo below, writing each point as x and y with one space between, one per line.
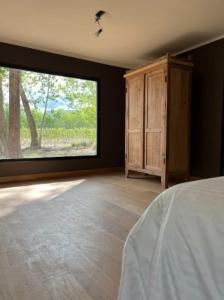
44 115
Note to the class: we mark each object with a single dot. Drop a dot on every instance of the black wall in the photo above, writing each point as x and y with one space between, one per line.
111 103
207 109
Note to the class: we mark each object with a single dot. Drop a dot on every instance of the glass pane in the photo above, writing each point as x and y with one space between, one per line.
43 115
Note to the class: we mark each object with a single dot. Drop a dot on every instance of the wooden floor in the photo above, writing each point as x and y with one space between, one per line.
63 239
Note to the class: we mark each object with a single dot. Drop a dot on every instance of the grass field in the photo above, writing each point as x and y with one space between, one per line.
61 142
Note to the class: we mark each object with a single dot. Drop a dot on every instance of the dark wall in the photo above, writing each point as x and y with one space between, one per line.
111 103
207 109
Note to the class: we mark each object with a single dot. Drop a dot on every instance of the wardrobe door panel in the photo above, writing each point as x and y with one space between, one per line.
134 121
155 96
153 152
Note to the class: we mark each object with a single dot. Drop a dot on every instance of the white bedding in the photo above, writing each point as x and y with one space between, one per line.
176 249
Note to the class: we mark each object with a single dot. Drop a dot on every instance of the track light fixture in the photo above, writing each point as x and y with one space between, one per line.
98 17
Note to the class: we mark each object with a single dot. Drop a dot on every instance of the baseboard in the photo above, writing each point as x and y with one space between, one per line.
55 175
193 178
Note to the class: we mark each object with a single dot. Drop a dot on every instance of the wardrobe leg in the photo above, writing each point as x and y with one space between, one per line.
126 172
164 182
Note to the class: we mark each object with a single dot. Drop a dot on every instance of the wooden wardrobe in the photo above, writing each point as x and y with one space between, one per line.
158 98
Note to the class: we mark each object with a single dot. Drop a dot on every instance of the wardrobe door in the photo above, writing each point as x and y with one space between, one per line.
155 115
134 122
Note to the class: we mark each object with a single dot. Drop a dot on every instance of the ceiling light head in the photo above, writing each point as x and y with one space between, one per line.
99 15
98 33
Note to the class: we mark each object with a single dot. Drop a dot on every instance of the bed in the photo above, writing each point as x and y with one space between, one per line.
176 249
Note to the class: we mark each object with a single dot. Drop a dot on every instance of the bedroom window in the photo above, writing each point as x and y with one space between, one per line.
46 116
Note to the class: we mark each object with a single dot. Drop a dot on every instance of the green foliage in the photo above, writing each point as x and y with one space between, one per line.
62 119
78 96
62 133
3 72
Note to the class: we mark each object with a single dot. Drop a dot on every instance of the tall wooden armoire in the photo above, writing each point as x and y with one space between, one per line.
158 99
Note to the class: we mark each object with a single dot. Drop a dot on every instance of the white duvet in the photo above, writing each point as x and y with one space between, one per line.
176 249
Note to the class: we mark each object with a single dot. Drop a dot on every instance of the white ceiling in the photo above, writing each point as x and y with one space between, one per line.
134 31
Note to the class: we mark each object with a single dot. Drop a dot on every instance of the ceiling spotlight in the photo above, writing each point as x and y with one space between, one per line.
98 33
99 15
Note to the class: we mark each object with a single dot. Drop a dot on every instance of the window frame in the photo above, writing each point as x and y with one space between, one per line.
98 114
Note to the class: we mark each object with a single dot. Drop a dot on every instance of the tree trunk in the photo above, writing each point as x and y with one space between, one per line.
14 146
45 110
3 131
30 120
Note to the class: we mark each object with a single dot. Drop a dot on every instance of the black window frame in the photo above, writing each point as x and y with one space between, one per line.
98 114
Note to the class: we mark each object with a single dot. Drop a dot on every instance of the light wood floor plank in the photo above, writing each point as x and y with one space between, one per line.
63 240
